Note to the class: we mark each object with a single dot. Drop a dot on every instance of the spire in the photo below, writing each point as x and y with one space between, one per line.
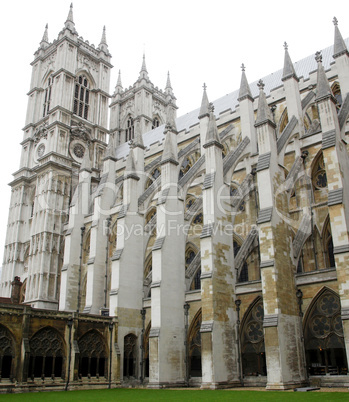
143 73
103 45
339 47
212 136
245 91
44 41
289 70
69 23
204 104
263 113
86 162
323 89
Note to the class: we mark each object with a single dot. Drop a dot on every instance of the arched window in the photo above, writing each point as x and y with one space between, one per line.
81 97
243 277
156 123
328 245
46 354
194 341
319 174
252 341
154 175
7 352
323 336
93 355
130 129
48 96
336 90
130 355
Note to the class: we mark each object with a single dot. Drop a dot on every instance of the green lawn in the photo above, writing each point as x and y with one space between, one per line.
121 394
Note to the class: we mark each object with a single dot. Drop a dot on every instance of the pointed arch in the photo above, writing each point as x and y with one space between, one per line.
7 352
327 244
323 335
47 353
130 355
252 340
194 342
93 355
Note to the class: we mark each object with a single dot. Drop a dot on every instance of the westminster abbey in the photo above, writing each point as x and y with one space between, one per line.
207 250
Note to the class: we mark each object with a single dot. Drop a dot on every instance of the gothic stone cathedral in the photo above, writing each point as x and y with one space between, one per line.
207 250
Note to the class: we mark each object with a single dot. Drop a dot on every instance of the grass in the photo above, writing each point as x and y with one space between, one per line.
121 394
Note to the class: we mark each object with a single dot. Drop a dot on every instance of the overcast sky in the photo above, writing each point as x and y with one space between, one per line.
196 40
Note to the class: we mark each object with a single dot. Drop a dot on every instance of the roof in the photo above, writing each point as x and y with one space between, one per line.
303 69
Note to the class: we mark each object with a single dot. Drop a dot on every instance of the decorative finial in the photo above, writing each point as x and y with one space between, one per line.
285 45
260 85
210 107
243 67
131 144
204 86
318 57
335 21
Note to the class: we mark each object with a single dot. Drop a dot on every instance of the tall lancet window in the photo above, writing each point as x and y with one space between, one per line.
81 97
130 129
47 96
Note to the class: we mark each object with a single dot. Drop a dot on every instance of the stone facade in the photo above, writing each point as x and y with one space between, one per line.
210 249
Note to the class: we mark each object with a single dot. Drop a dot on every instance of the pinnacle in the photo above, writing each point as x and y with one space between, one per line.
103 39
86 162
143 73
245 90
289 70
69 23
212 136
323 89
339 47
204 104
168 82
44 39
263 113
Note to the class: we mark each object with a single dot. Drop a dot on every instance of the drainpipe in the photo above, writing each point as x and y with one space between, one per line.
106 263
70 325
237 304
111 326
80 267
143 312
186 343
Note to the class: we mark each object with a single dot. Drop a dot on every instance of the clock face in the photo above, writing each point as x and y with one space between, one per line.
40 150
77 150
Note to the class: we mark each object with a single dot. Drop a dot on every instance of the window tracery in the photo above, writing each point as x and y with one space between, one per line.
7 352
130 341
156 123
252 341
46 354
130 129
324 339
48 95
93 356
81 97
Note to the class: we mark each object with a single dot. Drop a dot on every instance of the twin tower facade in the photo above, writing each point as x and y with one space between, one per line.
210 249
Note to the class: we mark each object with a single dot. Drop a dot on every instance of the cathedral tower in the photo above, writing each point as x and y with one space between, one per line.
66 118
